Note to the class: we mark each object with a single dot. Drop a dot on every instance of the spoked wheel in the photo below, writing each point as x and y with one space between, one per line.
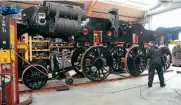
166 53
35 76
96 63
76 58
118 53
135 61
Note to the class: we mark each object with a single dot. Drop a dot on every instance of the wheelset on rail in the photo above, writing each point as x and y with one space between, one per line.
102 54
97 62
118 54
35 76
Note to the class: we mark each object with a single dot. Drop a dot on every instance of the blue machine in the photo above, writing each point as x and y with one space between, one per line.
9 10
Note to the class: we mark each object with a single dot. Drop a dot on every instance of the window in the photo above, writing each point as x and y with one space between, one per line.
167 19
146 26
179 36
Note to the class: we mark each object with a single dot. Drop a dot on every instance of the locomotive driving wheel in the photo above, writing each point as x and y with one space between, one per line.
35 76
96 63
117 53
135 61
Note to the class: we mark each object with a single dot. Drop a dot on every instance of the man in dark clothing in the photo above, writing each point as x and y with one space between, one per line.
155 63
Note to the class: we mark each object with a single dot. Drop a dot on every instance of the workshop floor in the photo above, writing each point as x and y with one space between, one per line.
123 92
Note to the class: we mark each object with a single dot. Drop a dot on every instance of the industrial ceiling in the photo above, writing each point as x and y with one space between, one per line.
129 10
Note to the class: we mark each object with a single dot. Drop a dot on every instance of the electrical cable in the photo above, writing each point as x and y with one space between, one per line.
31 64
11 78
141 96
177 92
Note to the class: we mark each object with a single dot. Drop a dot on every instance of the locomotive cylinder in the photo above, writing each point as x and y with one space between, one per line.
66 11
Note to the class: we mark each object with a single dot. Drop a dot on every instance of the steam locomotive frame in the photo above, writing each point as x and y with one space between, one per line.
97 62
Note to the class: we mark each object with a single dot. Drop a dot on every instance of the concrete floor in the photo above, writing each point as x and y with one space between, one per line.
117 93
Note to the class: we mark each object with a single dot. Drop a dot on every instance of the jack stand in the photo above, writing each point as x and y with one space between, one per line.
68 80
8 61
63 65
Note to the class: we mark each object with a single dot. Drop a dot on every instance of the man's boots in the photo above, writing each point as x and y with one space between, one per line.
149 84
162 84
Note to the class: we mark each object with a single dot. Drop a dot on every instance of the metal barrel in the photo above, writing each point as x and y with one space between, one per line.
66 11
67 27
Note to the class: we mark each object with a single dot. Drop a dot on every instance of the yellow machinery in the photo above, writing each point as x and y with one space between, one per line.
175 42
25 46
33 49
22 46
28 51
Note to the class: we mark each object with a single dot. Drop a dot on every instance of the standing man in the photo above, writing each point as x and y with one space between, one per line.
155 63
